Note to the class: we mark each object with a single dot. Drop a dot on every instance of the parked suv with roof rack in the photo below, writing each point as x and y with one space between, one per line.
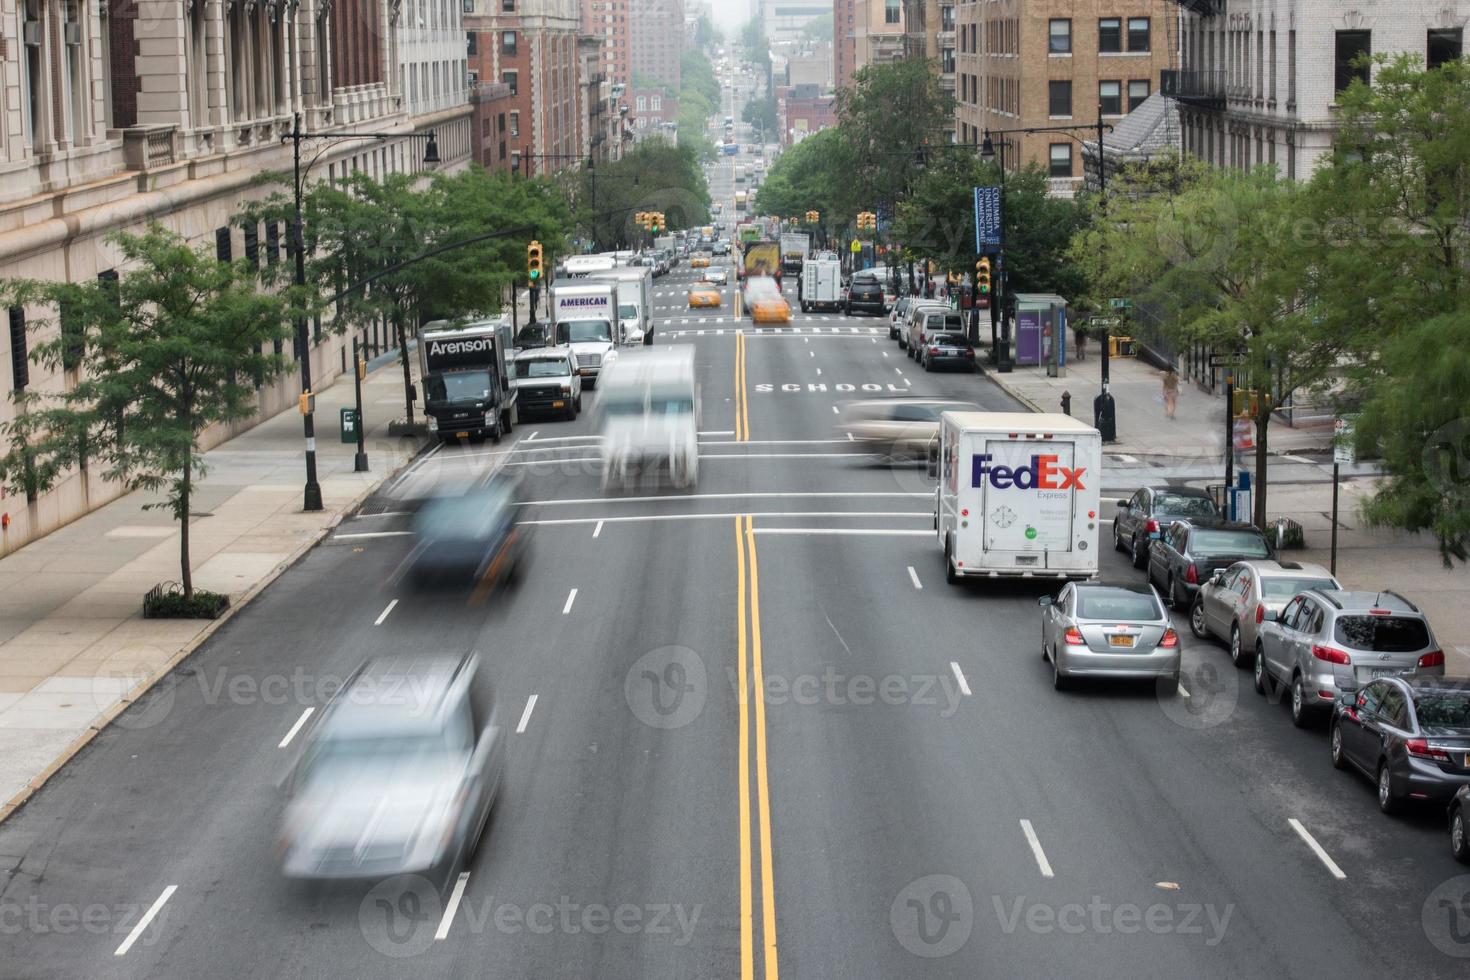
1326 642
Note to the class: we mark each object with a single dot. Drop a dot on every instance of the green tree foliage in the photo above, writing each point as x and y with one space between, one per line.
753 42
654 176
887 114
177 344
699 99
761 114
1387 244
809 177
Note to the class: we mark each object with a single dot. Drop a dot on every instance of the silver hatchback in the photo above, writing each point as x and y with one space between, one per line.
1096 630
1233 604
1326 642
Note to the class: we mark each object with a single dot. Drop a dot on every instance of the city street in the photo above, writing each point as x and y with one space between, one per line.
900 794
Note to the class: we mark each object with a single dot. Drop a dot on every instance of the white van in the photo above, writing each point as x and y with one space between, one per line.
1018 495
649 410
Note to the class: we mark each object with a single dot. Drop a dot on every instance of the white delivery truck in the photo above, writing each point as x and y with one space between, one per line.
649 410
635 301
584 316
1018 495
821 283
581 266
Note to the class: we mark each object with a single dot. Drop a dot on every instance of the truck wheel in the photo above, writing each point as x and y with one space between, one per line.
950 575
495 432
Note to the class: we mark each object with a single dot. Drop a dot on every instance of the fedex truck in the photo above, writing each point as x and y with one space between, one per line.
1018 495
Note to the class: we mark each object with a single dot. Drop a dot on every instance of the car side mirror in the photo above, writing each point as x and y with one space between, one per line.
1217 578
1123 504
1045 600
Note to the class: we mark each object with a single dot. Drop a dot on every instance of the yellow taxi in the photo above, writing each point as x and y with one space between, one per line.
699 262
703 294
764 300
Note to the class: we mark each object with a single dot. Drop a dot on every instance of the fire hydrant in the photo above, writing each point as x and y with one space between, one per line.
1066 403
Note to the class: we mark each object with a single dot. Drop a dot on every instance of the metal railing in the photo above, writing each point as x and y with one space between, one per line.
1205 89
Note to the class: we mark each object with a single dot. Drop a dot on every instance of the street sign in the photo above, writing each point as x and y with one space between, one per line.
1105 321
1344 453
1120 304
987 220
855 247
1227 360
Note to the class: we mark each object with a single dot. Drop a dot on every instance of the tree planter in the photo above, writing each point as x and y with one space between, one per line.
166 601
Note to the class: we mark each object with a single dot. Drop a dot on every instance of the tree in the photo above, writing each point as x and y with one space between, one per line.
888 114
178 343
1387 245
653 176
761 114
810 177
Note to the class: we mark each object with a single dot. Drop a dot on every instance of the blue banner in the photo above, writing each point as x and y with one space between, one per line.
987 220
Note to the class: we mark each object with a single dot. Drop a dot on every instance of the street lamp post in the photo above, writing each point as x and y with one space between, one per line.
313 493
998 322
1104 410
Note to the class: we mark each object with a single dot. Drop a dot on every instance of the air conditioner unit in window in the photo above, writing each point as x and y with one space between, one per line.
32 33
73 33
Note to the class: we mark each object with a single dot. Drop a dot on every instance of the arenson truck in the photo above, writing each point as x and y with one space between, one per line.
1018 495
466 377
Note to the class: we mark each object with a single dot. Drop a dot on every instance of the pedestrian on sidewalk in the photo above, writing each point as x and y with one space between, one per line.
1080 332
1171 392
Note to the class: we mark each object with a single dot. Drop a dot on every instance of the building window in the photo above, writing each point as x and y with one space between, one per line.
501 122
1138 34
471 48
1061 160
1109 35
222 244
973 49
892 11
1351 45
946 18
507 42
642 103
1110 98
272 243
508 6
1444 45
20 365
1059 37
1059 98
509 78
657 105
1137 93
515 123
252 245
946 57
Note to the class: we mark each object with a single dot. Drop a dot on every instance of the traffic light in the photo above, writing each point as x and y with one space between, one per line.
812 217
867 221
641 220
982 275
533 262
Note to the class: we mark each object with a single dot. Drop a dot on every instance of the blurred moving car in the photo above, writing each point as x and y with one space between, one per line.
704 294
1236 600
469 535
897 428
1094 630
699 261
946 351
1410 735
764 300
719 276
548 381
1191 552
398 776
865 295
1151 511
1326 642
650 417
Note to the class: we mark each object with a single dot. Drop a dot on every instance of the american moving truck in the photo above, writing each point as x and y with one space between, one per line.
466 377
1018 495
585 319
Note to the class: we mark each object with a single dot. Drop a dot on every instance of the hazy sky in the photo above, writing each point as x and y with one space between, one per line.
730 15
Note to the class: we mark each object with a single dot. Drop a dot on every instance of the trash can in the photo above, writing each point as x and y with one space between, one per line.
349 425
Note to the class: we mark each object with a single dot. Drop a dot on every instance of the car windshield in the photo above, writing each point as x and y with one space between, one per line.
543 367
584 331
1179 505
1382 634
1285 588
1117 604
1443 710
1206 543
459 386
627 311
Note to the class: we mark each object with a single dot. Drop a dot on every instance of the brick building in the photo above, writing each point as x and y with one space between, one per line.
802 110
1258 81
610 20
865 32
657 42
1054 63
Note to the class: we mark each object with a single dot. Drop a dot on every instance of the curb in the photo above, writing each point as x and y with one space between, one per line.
105 718
996 377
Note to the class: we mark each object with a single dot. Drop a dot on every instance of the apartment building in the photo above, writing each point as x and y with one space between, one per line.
602 132
121 113
1056 63
786 20
657 42
865 32
611 21
532 47
1259 80
431 55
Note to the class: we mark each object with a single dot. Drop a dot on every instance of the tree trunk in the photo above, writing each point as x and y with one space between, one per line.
1263 422
185 572
407 371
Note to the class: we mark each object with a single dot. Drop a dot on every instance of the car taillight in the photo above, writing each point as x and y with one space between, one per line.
1191 575
1434 658
1073 637
1330 654
1421 749
1170 640
934 350
1152 527
1260 615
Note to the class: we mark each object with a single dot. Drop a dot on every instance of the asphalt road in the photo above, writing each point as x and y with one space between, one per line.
899 794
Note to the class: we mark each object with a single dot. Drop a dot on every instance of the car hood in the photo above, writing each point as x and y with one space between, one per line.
363 816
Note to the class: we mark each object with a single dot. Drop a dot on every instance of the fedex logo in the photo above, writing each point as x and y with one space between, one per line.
1042 474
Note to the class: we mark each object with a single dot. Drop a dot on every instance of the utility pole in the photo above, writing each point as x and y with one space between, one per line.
313 494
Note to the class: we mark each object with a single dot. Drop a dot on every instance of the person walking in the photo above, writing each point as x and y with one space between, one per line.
1171 392
1080 332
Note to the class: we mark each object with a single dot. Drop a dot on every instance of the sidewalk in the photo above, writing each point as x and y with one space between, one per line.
74 648
1367 558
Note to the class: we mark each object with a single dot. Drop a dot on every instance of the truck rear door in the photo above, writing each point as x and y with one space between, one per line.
1028 499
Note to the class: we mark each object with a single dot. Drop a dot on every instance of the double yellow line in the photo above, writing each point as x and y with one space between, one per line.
742 402
752 679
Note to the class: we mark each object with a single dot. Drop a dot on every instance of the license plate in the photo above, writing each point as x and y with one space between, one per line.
461 435
558 404
1120 641
1385 672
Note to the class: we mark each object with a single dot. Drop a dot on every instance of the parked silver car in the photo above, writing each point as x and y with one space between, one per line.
1235 601
1326 642
398 776
1096 630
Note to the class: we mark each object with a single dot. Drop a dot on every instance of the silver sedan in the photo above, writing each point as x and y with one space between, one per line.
1096 630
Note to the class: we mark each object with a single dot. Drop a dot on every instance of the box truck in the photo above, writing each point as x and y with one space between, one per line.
584 318
821 284
635 301
465 372
650 418
795 246
1017 495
